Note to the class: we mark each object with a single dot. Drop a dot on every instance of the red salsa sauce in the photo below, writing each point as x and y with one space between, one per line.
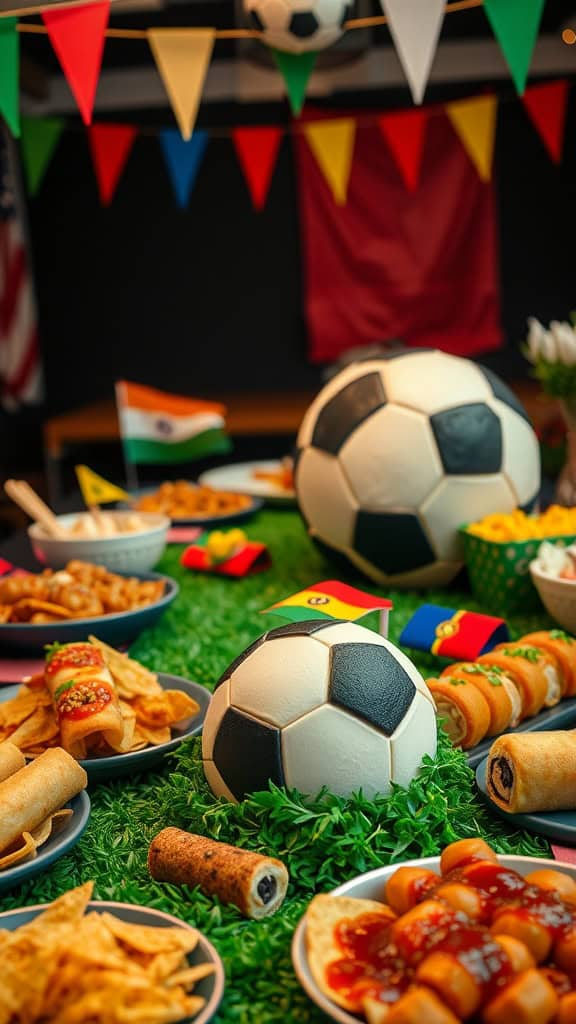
82 699
74 656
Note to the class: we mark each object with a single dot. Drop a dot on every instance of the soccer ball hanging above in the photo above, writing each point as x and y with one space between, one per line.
296 26
318 703
396 453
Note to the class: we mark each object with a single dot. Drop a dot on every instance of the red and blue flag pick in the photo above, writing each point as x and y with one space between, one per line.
458 635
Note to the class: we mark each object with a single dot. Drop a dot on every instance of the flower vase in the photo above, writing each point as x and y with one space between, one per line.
566 484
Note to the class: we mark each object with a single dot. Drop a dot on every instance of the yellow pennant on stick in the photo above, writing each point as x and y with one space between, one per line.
96 490
474 122
182 57
332 143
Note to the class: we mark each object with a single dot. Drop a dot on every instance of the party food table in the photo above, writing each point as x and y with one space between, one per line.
323 842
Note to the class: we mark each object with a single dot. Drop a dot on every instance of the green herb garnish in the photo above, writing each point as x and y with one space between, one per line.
559 634
63 688
52 650
491 674
532 654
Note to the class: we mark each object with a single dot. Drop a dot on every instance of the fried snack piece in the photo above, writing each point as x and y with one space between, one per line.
11 760
180 499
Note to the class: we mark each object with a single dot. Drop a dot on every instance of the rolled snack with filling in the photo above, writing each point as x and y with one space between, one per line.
561 646
85 699
532 671
462 708
501 695
252 882
35 792
533 771
11 760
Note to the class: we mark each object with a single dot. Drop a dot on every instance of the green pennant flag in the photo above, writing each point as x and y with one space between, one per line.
515 24
39 138
295 69
10 74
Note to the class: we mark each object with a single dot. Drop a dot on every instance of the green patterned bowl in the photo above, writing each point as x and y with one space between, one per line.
499 571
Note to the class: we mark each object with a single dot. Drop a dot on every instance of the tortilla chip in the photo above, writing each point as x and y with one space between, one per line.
182 706
323 915
152 737
130 677
149 939
190 975
25 703
50 826
152 711
24 609
35 730
5 612
375 1011
25 849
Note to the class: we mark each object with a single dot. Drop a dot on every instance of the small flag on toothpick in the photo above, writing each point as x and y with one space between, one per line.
331 600
96 490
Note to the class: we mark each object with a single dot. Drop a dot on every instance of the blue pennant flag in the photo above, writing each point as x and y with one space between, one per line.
183 160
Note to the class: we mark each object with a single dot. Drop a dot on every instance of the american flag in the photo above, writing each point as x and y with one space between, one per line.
20 367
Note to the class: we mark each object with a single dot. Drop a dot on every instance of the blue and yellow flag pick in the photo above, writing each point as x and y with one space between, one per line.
96 490
458 635
331 600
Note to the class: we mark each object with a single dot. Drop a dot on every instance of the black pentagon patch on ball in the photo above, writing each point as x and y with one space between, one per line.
368 681
304 24
530 505
305 628
241 657
346 411
501 391
257 21
247 753
392 541
469 439
398 350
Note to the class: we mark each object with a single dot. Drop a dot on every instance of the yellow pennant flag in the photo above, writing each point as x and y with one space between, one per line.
474 121
332 143
182 57
95 489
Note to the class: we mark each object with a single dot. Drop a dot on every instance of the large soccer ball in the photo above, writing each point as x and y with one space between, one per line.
318 703
396 453
298 25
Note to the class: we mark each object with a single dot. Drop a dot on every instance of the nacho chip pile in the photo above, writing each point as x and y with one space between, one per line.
28 720
68 967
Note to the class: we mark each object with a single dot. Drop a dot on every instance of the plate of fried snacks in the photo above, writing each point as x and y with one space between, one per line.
65 605
189 504
272 480
528 779
467 936
43 811
103 708
74 961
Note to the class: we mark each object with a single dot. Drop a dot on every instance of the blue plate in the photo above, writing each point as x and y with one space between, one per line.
560 825
210 988
205 521
561 716
101 768
55 847
116 629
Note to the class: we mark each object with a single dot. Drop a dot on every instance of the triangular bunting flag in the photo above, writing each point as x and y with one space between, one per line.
10 74
404 132
182 57
39 140
332 143
257 150
474 121
183 160
110 145
415 27
546 104
295 69
95 489
77 36
515 24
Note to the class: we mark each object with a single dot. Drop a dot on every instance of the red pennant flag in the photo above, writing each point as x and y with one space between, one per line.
110 145
404 132
77 36
546 105
257 149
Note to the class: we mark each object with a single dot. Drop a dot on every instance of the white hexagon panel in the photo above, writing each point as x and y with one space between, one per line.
434 381
219 704
297 26
520 454
328 500
287 678
460 500
414 737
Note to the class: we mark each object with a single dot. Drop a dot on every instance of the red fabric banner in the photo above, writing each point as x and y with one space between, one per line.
418 265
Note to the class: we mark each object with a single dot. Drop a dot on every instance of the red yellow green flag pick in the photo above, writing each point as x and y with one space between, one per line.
331 600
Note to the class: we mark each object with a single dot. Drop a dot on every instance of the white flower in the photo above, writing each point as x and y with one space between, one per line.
565 341
539 341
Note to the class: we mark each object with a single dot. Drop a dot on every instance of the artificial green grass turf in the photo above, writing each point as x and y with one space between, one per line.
322 841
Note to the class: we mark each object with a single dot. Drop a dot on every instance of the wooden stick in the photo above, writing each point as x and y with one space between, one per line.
32 504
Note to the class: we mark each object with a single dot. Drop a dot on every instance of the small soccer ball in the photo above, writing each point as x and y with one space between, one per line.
318 703
296 26
397 452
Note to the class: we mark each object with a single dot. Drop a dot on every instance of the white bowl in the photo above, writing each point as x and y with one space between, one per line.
136 552
371 887
558 596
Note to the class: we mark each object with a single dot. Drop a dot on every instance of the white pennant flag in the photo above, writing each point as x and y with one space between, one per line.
415 27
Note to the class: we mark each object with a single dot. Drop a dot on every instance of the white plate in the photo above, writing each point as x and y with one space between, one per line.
239 477
371 887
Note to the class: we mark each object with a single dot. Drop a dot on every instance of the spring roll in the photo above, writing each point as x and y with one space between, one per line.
533 771
255 884
11 760
561 646
462 708
85 699
35 792
501 695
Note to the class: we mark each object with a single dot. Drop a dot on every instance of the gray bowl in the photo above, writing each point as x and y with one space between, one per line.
126 552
